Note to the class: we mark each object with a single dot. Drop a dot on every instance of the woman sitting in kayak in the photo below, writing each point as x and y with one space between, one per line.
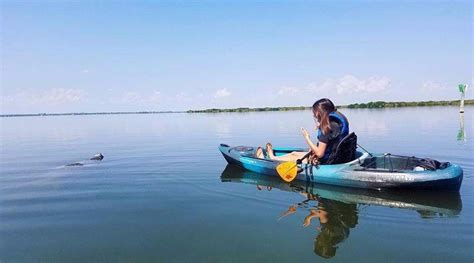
331 125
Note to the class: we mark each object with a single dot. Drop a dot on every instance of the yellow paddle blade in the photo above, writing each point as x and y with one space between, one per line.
287 171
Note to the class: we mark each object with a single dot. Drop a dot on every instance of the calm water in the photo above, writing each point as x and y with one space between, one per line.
163 192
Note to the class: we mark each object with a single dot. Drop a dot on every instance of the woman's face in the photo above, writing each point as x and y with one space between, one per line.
317 118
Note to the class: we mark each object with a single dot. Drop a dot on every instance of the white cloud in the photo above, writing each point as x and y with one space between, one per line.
327 85
85 71
291 91
351 84
430 86
155 96
345 85
222 93
136 98
51 96
131 97
64 95
182 97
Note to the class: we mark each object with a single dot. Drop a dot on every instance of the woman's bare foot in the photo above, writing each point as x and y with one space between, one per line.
269 149
259 153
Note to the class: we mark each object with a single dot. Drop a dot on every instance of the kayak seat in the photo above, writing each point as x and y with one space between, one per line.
345 150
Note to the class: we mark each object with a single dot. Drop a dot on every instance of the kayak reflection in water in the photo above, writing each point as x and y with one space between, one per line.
337 208
332 126
335 218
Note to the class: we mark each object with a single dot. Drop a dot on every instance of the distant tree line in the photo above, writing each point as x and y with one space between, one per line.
369 105
396 104
249 109
86 113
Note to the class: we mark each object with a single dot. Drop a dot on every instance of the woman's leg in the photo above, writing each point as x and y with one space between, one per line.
259 153
293 156
270 152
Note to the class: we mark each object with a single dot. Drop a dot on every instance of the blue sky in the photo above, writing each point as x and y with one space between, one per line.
68 56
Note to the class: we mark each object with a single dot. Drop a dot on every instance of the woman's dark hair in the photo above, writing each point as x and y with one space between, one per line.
321 110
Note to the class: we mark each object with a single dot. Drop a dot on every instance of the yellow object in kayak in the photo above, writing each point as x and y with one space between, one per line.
287 171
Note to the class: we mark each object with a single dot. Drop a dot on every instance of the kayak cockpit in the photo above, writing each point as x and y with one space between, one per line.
398 163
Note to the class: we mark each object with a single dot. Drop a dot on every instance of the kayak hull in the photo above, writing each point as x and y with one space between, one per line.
350 174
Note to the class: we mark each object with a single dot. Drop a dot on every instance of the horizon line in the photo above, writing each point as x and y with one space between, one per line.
470 102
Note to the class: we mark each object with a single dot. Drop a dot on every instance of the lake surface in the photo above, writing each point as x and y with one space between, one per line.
163 191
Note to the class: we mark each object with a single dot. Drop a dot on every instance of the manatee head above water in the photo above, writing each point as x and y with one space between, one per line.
97 157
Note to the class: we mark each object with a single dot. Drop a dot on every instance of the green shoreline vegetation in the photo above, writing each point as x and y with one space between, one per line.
369 105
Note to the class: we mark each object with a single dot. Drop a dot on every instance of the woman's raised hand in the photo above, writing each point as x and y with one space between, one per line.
305 132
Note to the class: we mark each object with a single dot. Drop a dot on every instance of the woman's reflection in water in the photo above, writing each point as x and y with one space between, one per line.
335 218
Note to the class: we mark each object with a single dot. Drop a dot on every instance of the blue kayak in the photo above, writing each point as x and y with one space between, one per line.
369 171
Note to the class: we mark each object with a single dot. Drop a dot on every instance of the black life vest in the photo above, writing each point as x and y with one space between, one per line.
344 124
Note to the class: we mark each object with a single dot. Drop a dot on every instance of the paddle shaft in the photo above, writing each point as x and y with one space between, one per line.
300 160
304 157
